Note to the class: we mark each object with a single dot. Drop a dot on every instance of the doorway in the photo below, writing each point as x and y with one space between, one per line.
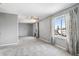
36 30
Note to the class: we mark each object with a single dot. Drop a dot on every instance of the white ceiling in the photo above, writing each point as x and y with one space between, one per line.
41 10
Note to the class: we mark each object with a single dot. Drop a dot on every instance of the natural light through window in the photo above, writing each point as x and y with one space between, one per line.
60 27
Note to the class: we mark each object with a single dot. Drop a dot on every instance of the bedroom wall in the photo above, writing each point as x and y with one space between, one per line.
25 29
44 30
8 28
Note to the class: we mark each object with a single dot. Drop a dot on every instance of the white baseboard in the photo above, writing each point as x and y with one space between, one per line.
9 44
43 39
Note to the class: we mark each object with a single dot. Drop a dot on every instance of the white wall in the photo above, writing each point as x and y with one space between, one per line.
25 29
44 30
8 28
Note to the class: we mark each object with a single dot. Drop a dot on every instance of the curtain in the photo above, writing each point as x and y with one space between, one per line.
74 31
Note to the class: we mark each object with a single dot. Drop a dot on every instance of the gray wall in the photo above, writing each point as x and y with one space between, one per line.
44 30
25 29
34 28
8 28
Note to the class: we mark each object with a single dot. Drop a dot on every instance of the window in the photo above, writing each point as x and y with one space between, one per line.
59 26
60 30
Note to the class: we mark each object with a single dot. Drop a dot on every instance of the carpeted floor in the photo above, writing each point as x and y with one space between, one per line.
29 46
